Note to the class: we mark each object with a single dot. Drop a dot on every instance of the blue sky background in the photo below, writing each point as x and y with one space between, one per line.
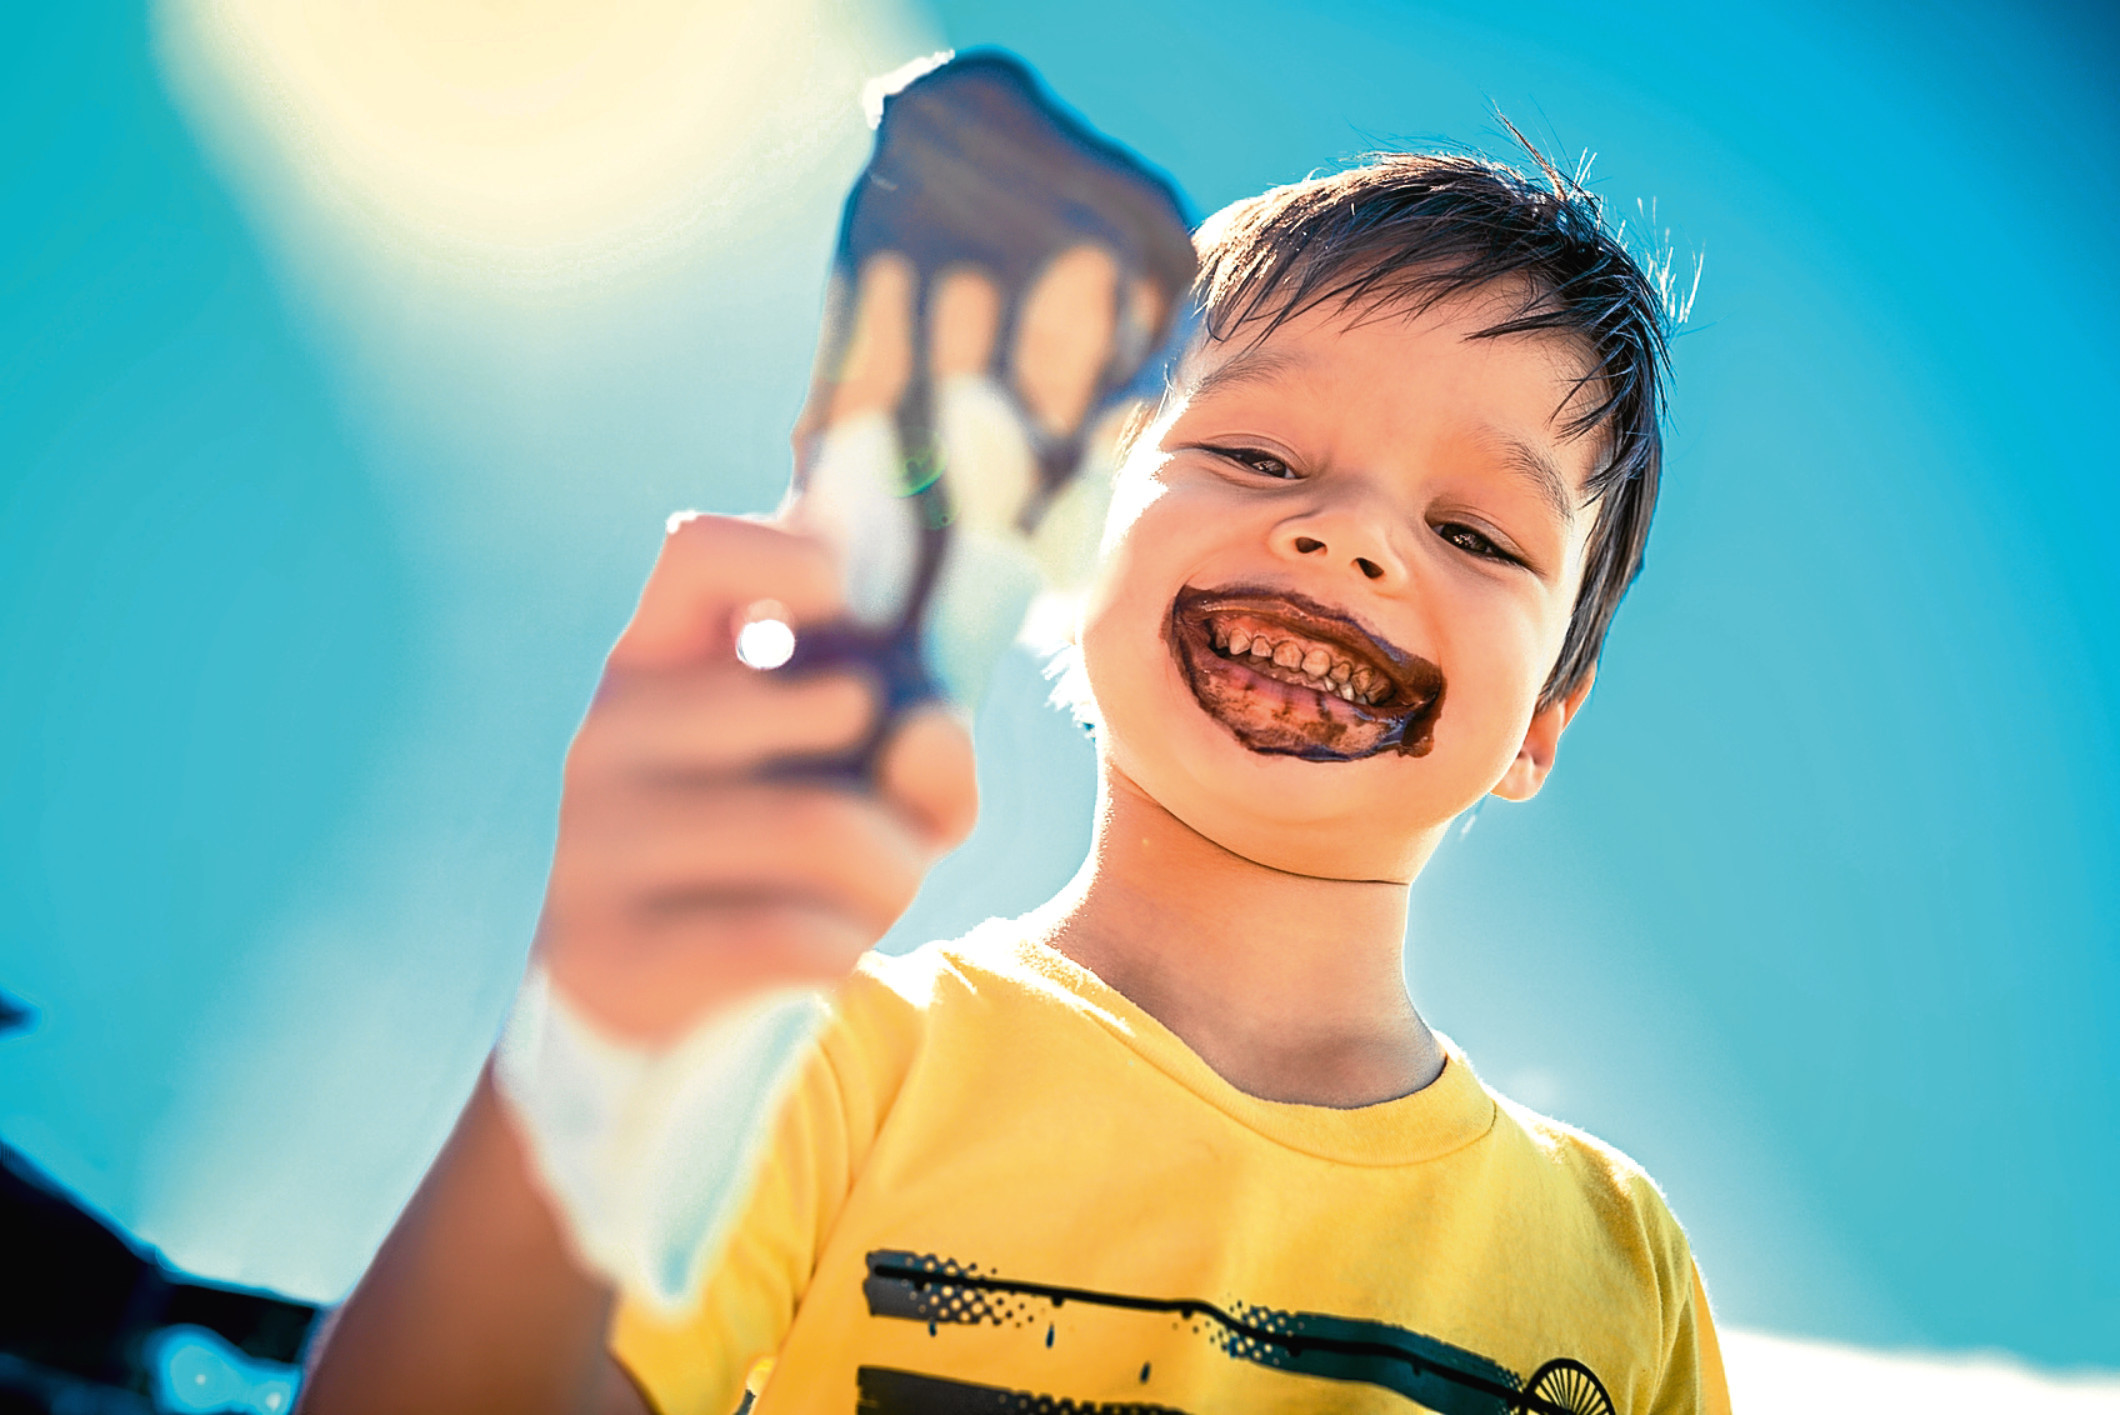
307 561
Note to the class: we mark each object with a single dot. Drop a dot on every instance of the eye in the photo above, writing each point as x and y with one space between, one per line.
1474 542
1266 464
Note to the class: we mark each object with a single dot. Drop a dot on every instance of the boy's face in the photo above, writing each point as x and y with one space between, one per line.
1390 507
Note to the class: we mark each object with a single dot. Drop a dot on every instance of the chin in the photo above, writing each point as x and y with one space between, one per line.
1328 820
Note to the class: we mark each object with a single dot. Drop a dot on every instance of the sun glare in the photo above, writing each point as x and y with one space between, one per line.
529 133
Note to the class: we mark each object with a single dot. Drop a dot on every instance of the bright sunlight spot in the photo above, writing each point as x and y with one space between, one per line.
765 643
530 136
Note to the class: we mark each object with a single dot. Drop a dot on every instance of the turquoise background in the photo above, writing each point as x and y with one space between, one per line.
304 581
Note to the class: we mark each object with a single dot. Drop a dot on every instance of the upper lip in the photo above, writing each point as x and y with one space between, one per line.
1415 680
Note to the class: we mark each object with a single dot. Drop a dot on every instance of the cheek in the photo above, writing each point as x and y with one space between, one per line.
1120 629
1126 572
1511 633
1123 662
1136 487
1157 534
1497 659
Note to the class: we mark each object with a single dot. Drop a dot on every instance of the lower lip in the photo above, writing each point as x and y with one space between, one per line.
1275 718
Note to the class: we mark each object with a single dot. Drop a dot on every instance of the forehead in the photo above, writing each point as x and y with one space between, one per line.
1454 327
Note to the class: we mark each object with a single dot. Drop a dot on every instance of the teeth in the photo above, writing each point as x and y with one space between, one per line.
1322 673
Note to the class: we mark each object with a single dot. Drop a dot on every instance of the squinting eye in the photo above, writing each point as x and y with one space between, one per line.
1264 463
1470 541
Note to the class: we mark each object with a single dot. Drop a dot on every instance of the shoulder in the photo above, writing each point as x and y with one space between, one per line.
893 1007
1601 1197
1591 1222
992 966
932 977
1602 1170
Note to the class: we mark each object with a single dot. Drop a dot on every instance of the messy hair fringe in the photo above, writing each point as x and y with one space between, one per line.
1402 232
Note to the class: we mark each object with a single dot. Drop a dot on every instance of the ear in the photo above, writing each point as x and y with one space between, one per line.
1542 739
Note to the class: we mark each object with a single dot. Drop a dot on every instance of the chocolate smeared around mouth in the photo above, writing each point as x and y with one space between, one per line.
1290 677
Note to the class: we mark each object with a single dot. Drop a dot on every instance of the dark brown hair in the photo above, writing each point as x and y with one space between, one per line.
1416 228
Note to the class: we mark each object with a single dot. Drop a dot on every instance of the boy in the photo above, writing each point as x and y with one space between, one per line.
1178 1140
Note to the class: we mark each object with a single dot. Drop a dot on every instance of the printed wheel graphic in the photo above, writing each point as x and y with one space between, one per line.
1567 1384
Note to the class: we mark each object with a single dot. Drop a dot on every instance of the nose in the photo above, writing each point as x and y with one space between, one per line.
1356 537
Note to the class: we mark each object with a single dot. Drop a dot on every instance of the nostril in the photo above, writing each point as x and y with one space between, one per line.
1370 568
1306 546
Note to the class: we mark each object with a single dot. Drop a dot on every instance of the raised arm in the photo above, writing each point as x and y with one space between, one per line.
684 881
473 1303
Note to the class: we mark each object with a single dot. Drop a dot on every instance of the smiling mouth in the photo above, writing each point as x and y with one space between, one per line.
1289 677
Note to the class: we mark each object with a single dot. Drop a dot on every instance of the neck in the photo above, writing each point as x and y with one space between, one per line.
1291 987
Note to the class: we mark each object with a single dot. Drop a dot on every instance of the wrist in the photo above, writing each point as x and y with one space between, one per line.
644 1149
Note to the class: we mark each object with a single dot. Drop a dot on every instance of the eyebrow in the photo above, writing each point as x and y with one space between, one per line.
1258 364
1533 465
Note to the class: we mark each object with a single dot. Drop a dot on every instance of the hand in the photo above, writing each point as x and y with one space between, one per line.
684 879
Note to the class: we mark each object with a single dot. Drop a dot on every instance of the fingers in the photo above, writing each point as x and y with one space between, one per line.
656 977
661 848
687 875
710 570
667 902
716 719
926 773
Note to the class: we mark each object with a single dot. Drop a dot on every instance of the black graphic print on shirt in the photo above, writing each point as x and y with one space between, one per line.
1445 1378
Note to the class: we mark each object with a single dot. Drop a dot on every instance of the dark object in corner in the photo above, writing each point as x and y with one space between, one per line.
80 1299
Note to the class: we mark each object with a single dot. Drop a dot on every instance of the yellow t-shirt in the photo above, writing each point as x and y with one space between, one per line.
997 1185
